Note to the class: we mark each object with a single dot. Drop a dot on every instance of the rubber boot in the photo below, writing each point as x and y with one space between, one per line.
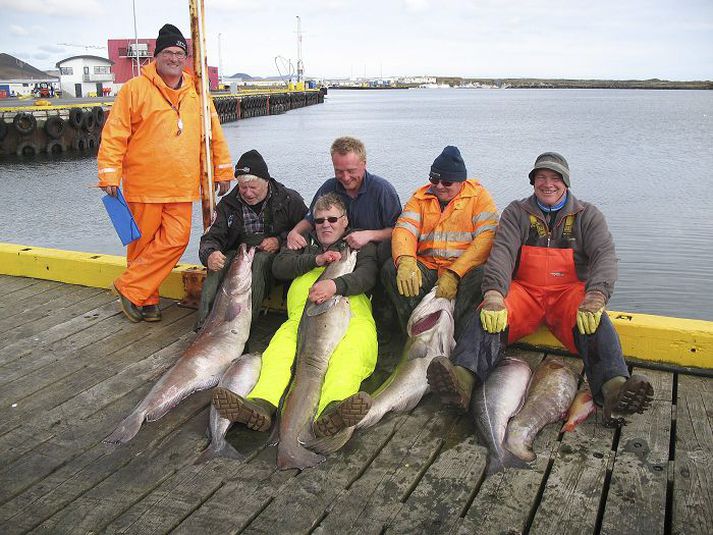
452 384
339 415
624 396
254 413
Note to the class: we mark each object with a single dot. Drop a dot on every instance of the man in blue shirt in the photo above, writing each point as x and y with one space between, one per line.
372 202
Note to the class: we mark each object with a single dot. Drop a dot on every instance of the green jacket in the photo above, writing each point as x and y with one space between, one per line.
290 264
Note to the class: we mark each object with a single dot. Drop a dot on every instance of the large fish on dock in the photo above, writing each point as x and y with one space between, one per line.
322 327
494 403
240 378
580 409
430 331
551 391
202 364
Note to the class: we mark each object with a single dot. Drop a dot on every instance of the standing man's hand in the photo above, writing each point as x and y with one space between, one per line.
357 240
216 261
222 187
327 257
110 190
269 245
408 277
321 291
295 240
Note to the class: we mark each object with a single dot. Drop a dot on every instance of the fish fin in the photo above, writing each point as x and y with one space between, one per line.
297 457
330 444
232 311
127 429
314 309
220 449
508 460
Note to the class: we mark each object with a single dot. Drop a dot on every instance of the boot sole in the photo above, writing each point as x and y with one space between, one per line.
635 396
444 383
348 413
237 409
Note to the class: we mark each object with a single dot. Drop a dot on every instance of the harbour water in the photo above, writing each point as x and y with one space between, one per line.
645 158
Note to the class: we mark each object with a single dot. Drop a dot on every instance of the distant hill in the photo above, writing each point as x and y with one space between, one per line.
12 68
241 75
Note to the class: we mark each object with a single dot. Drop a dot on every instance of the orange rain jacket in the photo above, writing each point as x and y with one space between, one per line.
458 238
140 148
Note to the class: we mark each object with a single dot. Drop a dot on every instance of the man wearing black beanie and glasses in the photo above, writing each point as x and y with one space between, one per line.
150 146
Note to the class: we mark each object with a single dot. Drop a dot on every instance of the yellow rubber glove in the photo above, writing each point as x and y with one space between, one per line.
493 314
447 285
590 312
408 277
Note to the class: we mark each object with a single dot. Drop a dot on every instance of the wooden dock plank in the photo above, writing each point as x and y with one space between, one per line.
693 463
636 501
10 284
17 298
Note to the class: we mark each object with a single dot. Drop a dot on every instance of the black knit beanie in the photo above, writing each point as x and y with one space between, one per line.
252 163
449 166
169 35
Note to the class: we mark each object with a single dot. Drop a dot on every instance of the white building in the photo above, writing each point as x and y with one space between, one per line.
86 76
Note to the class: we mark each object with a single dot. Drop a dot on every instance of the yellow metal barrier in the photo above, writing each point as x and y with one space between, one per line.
676 341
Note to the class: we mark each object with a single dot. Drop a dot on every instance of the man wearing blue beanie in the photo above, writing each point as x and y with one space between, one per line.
443 237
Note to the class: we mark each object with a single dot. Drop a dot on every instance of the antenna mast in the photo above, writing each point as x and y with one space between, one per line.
300 64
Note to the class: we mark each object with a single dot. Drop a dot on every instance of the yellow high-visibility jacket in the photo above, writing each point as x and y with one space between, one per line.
142 150
459 238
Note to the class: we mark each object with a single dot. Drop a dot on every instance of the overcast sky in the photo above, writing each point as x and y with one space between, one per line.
617 39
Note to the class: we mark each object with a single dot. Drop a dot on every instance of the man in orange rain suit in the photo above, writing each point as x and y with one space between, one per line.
151 144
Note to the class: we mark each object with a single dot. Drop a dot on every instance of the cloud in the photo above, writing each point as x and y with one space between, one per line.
60 8
52 49
416 5
18 30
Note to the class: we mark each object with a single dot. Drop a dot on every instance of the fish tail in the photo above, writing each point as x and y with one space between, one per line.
297 457
330 444
222 449
127 429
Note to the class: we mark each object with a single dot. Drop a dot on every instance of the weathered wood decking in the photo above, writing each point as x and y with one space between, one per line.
71 367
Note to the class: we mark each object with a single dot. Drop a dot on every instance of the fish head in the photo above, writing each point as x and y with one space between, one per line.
432 322
342 266
240 276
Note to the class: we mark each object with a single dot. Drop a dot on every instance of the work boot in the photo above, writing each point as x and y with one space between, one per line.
256 414
452 384
624 396
151 313
129 309
339 415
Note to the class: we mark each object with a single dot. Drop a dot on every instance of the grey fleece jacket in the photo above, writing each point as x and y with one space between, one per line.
291 264
594 255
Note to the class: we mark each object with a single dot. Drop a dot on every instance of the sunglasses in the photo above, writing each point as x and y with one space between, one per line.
435 181
331 219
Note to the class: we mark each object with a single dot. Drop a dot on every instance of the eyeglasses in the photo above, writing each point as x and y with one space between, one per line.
331 219
435 181
169 54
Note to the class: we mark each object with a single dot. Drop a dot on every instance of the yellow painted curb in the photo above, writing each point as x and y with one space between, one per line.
676 341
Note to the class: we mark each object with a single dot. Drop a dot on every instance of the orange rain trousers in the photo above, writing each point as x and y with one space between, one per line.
545 289
165 231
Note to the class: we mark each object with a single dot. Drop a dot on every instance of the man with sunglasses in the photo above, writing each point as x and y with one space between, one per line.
443 236
151 146
553 262
260 211
341 403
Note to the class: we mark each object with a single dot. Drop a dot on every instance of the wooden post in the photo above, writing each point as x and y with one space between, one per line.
200 71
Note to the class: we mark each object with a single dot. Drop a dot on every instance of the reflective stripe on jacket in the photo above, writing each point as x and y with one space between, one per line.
140 148
458 238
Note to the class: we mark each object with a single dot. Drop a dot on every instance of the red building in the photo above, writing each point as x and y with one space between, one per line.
123 52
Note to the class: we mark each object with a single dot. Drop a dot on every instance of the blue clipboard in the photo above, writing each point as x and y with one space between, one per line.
121 217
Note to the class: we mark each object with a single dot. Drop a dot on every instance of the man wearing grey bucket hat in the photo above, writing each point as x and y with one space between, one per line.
553 262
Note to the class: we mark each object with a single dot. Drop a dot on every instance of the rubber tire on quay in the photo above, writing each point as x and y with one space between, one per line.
92 142
25 123
27 148
3 129
80 142
99 116
54 127
55 146
76 117
88 122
